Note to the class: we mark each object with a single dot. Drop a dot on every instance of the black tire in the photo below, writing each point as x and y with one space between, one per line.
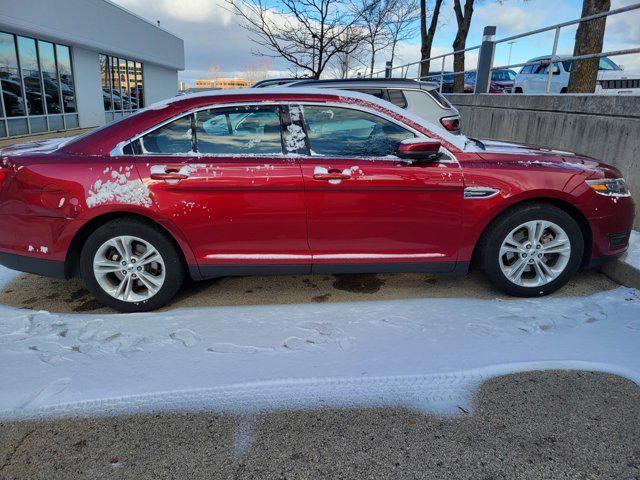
174 268
497 231
518 90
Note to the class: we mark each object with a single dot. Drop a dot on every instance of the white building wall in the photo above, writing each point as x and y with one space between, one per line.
88 87
96 25
92 27
159 83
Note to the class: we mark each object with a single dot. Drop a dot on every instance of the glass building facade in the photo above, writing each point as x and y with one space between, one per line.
122 86
37 91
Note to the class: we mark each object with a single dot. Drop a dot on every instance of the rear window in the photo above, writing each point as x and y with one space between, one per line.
438 97
397 97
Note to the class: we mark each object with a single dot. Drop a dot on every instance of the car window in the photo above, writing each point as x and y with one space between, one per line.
537 68
556 69
440 98
376 92
239 130
397 97
503 76
344 132
174 137
526 69
604 64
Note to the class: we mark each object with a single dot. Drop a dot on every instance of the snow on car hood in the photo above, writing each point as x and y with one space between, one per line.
540 156
39 146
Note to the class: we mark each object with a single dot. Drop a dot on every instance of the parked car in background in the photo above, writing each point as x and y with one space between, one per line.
612 79
447 80
299 181
502 81
421 98
275 82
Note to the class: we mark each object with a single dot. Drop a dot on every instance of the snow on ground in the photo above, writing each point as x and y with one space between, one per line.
427 353
633 254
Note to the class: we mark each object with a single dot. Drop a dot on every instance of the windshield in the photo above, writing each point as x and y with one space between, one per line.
503 76
605 64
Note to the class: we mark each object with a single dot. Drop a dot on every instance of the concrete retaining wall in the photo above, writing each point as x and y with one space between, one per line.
603 127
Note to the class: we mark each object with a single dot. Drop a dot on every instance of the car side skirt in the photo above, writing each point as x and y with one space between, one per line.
212 271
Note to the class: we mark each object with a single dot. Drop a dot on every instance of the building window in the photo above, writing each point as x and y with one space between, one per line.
122 86
37 93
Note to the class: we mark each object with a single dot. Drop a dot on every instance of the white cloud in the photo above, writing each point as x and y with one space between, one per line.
510 18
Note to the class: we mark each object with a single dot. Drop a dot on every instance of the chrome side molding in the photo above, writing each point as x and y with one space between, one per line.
480 192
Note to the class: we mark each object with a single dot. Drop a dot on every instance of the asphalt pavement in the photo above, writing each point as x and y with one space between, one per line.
540 425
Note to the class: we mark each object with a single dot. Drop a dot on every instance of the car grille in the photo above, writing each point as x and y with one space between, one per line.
618 84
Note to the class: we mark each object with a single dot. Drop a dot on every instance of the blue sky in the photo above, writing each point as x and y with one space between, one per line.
216 46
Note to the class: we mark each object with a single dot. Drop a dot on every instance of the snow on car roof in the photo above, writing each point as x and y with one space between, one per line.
459 141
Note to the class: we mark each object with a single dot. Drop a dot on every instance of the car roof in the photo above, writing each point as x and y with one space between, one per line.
366 83
547 57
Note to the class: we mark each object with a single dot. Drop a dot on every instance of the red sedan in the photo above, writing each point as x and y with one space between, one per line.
297 182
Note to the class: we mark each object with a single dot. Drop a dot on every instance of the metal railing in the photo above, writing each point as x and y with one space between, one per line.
489 43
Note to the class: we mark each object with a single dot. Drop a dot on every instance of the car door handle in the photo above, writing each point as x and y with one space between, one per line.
331 176
176 176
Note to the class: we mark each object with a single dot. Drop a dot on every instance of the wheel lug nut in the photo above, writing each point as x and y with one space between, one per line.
133 260
524 255
539 255
528 246
124 272
133 275
139 269
538 246
124 263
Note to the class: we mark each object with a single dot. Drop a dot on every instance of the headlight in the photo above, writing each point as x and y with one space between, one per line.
614 187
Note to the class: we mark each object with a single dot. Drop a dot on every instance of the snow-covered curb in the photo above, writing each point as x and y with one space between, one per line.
626 270
632 257
428 354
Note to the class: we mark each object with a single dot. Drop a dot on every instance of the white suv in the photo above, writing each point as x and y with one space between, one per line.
612 80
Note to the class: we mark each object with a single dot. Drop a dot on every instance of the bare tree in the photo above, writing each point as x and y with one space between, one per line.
254 72
306 33
373 18
344 62
427 35
589 39
401 23
463 18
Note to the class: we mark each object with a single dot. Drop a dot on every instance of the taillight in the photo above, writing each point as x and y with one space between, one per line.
3 175
451 123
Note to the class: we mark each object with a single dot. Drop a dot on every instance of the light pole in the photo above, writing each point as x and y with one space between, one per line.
510 48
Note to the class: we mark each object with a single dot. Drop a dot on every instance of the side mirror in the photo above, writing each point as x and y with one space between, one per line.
420 149
621 67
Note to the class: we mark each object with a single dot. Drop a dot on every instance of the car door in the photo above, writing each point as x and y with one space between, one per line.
369 210
220 175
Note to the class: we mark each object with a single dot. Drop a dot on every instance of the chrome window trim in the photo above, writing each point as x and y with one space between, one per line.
118 149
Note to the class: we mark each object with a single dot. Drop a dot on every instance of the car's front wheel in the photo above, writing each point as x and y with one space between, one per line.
131 266
532 250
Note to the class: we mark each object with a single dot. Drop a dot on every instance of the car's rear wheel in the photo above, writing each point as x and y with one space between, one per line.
532 250
131 266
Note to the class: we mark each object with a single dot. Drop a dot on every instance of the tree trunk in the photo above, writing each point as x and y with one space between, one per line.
427 35
589 39
459 43
394 44
458 62
373 62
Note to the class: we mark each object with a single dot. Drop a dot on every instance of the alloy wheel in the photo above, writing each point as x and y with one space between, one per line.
129 268
534 253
